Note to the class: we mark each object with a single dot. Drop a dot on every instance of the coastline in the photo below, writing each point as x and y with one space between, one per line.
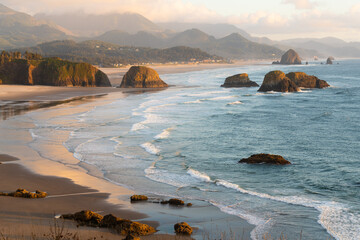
77 176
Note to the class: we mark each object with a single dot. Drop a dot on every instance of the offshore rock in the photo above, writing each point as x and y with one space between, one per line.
239 80
142 77
329 60
290 57
277 81
265 158
303 80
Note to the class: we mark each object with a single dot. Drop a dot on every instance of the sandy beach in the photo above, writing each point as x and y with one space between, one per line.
73 185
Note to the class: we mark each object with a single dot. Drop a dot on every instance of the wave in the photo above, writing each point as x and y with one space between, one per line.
221 98
199 175
169 178
204 94
33 134
137 126
235 103
164 134
150 148
196 101
154 108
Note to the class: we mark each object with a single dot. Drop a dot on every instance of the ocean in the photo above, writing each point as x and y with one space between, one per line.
186 141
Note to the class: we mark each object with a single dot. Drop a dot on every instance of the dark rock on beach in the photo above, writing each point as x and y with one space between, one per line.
142 77
277 81
266 159
176 202
135 198
25 194
183 228
303 80
122 226
239 80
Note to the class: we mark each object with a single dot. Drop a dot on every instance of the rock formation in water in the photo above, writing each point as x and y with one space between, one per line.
278 82
290 57
303 80
329 60
239 80
263 158
51 72
142 77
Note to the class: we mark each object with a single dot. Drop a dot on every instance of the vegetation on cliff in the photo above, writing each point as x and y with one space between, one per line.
32 69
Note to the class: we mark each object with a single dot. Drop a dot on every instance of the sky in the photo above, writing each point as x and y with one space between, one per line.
276 19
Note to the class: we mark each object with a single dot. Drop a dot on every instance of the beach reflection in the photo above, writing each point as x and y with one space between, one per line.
12 108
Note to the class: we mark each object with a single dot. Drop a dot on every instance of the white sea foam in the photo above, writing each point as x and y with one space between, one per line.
33 134
136 113
137 126
196 101
155 108
205 93
199 175
164 134
116 139
221 98
261 225
163 176
235 103
150 148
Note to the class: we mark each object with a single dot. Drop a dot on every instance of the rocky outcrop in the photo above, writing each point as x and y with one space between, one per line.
239 80
303 80
122 226
329 60
52 72
290 57
142 77
263 158
25 194
183 228
135 198
278 82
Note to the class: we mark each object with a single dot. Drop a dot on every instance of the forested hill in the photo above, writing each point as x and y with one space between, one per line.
108 55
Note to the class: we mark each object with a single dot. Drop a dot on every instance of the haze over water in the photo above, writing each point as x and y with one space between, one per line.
187 140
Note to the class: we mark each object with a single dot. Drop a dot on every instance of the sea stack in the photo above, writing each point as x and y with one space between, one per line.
303 80
329 60
290 57
277 81
239 80
264 158
142 77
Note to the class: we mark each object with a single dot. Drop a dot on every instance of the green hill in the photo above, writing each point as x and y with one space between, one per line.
108 55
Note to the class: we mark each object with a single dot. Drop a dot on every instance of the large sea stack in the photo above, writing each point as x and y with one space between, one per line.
51 72
142 77
306 81
277 81
290 57
239 80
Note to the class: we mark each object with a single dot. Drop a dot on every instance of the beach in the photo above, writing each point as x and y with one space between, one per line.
74 185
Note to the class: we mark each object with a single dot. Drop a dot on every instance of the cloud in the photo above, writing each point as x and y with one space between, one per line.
301 4
156 10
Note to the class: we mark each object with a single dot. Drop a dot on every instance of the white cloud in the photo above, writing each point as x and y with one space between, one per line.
301 4
156 10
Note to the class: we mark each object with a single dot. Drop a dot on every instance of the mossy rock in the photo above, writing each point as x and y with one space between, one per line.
135 198
183 228
25 194
263 158
176 202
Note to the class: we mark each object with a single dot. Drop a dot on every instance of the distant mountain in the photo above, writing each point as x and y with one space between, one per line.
20 29
218 30
329 46
232 46
108 54
90 25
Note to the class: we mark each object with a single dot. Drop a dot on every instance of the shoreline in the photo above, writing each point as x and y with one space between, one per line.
84 175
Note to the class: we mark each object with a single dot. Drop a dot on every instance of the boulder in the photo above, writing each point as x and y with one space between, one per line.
265 158
85 217
329 60
142 77
122 226
25 194
239 80
278 82
135 198
183 228
176 202
303 80
290 57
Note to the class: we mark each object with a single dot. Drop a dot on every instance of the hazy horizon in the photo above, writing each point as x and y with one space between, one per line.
278 20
